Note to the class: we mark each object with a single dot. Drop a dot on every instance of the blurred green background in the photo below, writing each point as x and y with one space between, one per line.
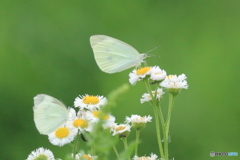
44 48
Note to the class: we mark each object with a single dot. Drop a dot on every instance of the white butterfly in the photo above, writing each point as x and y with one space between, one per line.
49 113
113 55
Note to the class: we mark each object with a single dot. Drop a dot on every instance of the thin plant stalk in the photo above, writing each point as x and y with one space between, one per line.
160 114
137 141
92 150
75 145
166 137
124 139
156 118
115 150
158 132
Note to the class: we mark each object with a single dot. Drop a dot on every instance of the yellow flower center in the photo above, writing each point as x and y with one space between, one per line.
144 158
91 100
154 92
143 70
157 73
120 128
87 157
100 115
62 132
42 157
80 123
169 76
175 84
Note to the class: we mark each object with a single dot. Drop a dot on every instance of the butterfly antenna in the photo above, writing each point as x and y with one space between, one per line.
153 50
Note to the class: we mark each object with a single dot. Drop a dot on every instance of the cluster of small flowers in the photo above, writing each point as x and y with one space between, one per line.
89 113
42 153
135 121
80 156
155 73
46 154
151 157
81 121
172 83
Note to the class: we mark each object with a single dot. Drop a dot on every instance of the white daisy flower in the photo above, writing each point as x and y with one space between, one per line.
63 135
108 125
157 74
122 130
151 157
139 74
82 113
175 83
80 156
80 121
72 114
95 116
77 156
90 102
138 122
147 97
41 153
138 119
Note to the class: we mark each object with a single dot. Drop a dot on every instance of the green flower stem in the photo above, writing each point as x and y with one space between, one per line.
158 133
170 107
115 150
75 145
92 150
137 141
125 145
156 118
125 142
160 114
148 87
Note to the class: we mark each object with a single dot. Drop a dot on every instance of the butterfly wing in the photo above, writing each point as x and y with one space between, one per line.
45 98
49 113
113 55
